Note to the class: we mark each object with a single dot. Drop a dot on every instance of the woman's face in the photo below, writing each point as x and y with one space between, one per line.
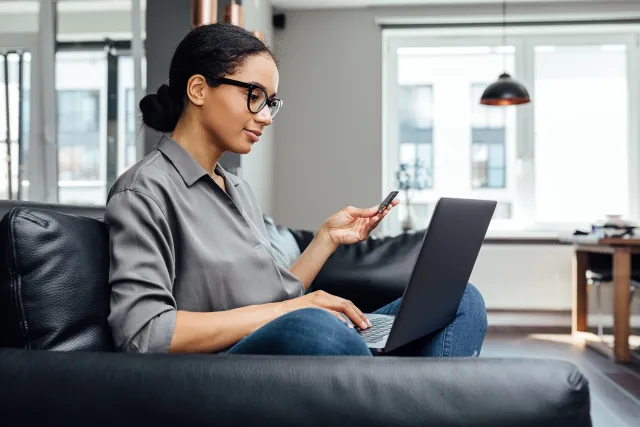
224 112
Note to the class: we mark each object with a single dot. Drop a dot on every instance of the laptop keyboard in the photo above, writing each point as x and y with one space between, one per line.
380 327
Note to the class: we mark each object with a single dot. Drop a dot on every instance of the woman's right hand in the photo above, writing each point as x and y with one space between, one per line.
333 304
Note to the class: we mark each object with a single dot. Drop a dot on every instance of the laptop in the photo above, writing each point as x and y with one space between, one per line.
440 275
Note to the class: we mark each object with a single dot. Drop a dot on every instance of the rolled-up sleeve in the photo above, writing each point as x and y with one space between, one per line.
142 269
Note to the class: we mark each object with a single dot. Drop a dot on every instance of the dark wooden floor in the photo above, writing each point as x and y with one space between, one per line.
615 388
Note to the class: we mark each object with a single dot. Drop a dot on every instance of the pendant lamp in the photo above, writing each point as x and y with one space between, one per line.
506 90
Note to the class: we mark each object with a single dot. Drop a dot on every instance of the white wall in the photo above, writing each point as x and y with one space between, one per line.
524 276
536 277
329 150
257 166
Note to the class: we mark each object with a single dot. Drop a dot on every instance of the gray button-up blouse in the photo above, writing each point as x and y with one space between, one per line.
178 242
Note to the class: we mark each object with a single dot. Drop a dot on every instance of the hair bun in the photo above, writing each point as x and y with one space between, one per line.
159 110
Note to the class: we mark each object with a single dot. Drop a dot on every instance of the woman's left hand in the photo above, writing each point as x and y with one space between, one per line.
352 225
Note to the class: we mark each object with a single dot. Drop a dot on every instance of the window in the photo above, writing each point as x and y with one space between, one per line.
77 163
82 79
78 135
77 112
488 142
581 132
562 162
415 112
464 148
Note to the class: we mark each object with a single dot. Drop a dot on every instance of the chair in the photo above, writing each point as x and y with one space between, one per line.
600 271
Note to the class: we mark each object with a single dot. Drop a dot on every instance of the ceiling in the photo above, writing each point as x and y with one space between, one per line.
331 4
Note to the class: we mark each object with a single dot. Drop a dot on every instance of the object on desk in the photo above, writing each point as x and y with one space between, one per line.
615 220
615 226
610 230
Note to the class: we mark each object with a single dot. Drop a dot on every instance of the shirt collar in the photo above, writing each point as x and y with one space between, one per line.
188 167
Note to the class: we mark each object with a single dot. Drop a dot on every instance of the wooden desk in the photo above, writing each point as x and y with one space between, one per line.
621 250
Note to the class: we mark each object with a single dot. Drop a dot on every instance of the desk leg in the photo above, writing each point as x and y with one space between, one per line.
621 284
579 309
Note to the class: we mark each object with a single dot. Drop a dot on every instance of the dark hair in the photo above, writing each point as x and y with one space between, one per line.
211 50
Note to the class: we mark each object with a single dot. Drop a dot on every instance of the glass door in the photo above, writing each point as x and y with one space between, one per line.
15 123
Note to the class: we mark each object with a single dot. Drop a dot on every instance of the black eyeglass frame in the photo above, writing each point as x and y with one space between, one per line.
268 101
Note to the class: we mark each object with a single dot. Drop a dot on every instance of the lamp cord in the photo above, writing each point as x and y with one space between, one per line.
504 35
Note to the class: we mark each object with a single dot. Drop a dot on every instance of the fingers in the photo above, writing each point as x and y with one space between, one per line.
375 221
340 305
362 213
370 212
390 206
353 313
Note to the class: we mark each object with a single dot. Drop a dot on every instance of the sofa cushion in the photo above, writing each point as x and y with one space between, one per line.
54 288
286 249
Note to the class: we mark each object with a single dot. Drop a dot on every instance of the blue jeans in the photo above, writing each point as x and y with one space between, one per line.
312 331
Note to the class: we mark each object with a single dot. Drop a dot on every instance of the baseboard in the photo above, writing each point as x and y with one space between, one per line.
550 318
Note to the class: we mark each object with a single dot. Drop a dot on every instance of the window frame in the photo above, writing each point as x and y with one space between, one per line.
524 39
129 117
126 82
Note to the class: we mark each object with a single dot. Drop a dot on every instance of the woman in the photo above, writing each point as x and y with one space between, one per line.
191 264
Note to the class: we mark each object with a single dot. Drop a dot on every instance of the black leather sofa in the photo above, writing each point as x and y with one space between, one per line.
57 366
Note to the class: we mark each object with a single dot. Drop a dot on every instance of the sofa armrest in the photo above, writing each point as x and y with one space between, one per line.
83 388
371 273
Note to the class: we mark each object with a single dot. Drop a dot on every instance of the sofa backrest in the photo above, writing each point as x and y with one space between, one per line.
86 211
54 281
54 274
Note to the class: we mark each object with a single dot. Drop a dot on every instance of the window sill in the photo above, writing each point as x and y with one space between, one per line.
523 237
514 236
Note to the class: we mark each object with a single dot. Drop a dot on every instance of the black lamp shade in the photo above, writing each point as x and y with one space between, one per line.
505 91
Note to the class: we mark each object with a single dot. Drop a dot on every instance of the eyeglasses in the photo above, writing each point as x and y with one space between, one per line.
257 97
